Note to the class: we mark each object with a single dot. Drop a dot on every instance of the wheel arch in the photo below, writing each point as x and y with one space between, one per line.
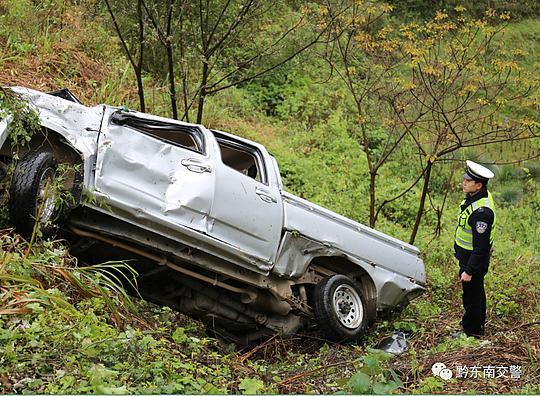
62 149
64 152
345 266
46 138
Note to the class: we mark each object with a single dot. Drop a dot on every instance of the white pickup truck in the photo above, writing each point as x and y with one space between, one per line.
204 215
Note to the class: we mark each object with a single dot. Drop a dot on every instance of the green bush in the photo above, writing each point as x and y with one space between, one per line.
509 194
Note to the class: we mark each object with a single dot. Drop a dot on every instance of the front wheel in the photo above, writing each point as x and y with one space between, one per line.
32 194
340 309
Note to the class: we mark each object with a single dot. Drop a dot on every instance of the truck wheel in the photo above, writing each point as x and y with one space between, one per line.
340 309
27 196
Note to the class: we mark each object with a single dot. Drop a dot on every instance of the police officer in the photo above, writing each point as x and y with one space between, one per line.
472 245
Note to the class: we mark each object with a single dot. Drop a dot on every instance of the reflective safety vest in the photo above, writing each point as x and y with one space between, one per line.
464 236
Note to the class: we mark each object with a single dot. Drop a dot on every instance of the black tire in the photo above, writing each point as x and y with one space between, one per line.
340 308
32 173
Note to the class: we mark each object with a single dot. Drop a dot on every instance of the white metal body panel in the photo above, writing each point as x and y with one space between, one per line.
78 124
146 174
356 240
243 217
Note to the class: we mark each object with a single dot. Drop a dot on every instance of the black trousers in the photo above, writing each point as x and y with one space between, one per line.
474 304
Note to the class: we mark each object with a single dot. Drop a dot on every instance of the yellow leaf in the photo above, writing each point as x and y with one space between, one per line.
490 12
439 15
504 16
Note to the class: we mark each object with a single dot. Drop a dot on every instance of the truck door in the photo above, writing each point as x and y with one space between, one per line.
247 210
155 170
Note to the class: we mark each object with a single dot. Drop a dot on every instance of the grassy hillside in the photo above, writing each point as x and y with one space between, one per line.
66 328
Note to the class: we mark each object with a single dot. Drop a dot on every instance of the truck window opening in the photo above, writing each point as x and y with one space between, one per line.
240 160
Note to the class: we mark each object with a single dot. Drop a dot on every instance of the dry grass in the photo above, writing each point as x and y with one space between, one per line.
517 348
61 61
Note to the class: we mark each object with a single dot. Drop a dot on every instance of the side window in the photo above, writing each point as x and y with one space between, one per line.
177 137
242 158
184 136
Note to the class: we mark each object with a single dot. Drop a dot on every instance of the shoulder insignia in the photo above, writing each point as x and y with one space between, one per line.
481 227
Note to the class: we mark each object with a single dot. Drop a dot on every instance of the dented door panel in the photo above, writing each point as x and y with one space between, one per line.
149 175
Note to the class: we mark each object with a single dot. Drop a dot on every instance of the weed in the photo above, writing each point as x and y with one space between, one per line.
375 376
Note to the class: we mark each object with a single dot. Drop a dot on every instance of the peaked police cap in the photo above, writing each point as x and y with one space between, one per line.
477 172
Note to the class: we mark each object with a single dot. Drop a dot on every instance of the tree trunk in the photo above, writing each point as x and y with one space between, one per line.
420 212
138 69
170 58
372 219
202 93
172 86
137 66
140 89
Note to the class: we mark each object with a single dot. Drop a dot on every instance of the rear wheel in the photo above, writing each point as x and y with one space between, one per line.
32 195
340 309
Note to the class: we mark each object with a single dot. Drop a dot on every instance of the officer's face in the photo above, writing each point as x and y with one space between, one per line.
471 186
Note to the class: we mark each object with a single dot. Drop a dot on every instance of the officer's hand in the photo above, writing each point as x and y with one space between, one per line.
465 277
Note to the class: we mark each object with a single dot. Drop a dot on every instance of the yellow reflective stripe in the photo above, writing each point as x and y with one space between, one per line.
484 202
464 244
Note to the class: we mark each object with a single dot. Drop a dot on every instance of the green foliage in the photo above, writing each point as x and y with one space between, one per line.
510 194
23 120
459 343
375 376
232 105
29 269
250 386
86 355
509 173
34 28
403 210
18 33
314 155
53 343
430 385
23 123
217 45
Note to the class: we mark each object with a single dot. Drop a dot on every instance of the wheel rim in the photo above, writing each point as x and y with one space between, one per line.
348 306
47 213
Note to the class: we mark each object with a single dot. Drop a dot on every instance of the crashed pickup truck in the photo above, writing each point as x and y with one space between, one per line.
205 218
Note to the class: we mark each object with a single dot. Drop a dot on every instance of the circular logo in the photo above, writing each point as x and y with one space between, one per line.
437 367
440 370
445 374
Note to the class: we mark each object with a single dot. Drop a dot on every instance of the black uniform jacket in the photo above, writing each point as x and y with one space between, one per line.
476 262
